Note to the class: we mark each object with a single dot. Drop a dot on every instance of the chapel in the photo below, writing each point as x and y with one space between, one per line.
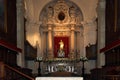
59 38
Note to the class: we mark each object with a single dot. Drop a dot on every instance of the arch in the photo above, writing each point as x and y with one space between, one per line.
43 14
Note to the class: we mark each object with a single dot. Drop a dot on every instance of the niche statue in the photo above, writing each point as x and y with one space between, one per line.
61 52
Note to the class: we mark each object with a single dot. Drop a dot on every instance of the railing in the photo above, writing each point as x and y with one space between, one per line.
110 46
10 73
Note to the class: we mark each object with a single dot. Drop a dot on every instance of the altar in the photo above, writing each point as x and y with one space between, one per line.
62 60
60 65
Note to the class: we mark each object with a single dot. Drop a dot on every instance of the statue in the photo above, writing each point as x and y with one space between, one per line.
61 52
61 45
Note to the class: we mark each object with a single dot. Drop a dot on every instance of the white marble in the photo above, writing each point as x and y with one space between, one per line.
59 78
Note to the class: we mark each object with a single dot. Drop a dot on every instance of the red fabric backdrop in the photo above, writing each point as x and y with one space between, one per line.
56 45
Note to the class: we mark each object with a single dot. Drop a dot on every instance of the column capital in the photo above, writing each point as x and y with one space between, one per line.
72 27
49 27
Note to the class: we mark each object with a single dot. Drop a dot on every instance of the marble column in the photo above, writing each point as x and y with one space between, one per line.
50 46
20 32
101 33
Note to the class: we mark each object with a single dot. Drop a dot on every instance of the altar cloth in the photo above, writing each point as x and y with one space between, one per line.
59 78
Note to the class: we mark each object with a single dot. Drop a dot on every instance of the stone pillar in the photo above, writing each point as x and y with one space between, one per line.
72 45
101 33
43 46
50 45
78 45
81 42
20 32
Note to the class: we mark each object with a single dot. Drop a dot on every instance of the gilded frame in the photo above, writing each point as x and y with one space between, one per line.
3 16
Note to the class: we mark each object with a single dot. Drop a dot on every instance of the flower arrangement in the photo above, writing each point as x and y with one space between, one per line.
83 59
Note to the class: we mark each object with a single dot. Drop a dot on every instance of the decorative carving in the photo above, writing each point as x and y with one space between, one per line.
50 15
61 13
72 15
61 10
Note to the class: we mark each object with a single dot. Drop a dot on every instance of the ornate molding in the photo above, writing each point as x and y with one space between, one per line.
61 14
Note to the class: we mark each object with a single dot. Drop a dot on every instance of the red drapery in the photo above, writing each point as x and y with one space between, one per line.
56 45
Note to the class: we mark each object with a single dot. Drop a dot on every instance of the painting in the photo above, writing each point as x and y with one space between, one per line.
91 52
3 16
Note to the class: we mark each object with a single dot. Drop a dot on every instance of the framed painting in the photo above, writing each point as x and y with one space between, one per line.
3 16
91 52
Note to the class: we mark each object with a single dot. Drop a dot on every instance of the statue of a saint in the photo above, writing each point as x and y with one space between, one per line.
61 52
61 45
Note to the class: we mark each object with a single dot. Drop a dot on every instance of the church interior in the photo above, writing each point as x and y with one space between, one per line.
59 38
